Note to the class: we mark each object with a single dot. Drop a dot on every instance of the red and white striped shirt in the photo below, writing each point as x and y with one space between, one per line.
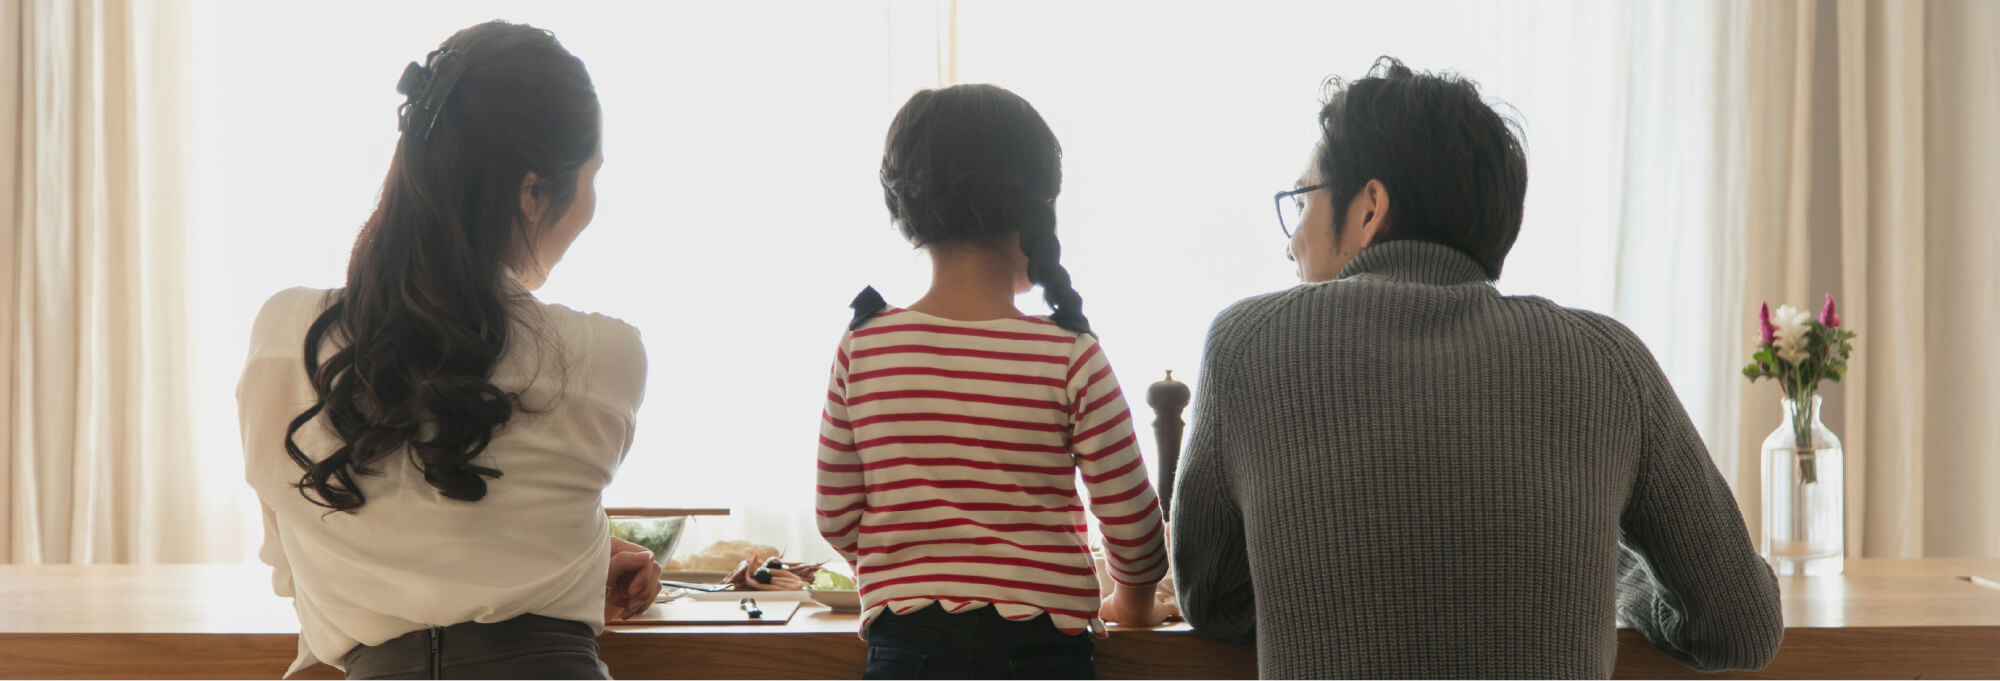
948 461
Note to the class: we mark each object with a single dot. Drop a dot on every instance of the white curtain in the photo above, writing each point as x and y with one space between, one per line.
99 465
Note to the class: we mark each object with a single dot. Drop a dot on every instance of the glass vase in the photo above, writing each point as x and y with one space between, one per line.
1805 494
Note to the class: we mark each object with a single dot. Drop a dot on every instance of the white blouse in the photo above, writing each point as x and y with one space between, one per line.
410 558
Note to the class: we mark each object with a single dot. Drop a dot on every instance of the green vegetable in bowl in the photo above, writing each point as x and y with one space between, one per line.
828 580
657 534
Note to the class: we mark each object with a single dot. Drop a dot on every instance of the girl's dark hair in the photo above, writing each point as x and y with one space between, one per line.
977 162
1453 166
424 317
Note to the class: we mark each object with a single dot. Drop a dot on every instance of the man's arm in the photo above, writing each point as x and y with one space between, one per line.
1689 579
1211 564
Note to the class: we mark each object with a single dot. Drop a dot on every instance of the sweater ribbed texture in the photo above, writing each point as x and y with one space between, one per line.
1436 480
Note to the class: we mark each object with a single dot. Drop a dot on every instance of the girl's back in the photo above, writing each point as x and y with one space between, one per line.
955 430
949 458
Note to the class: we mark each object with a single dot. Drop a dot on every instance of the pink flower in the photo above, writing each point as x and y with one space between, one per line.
1827 316
1764 324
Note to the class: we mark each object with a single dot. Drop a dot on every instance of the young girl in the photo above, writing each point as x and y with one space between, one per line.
955 428
430 443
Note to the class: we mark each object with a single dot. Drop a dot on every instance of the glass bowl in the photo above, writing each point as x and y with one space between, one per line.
659 534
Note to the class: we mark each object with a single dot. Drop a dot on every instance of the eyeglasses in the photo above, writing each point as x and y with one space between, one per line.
1292 207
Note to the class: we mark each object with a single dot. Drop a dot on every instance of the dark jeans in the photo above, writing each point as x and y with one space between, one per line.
976 644
526 647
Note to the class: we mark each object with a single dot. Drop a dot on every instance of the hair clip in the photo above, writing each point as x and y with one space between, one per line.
411 87
426 88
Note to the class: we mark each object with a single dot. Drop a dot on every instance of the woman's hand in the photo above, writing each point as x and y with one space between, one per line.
632 583
1136 607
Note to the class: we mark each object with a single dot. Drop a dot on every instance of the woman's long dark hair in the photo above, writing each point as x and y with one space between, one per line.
977 162
424 317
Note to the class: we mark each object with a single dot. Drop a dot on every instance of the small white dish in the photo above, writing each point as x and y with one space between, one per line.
694 576
740 594
840 600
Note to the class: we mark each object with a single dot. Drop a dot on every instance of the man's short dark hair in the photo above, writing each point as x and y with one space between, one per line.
1453 166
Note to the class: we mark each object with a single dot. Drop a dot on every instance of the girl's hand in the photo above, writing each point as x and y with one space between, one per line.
1136 607
632 583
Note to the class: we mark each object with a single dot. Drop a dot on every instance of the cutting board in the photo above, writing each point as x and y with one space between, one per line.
686 611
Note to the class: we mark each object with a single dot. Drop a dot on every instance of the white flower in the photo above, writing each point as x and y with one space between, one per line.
1792 324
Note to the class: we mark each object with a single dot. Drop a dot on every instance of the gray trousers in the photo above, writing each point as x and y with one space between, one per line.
526 647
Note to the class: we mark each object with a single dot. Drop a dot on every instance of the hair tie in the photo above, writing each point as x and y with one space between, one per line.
425 89
866 306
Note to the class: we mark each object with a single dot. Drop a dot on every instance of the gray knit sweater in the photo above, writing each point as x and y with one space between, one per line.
1403 473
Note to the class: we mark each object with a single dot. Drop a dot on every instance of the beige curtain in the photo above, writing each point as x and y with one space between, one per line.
1882 239
1773 140
93 427
1961 278
1871 173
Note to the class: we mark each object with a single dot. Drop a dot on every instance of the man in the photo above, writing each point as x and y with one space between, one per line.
1397 471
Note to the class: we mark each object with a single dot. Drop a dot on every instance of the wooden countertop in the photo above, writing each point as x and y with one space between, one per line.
1882 618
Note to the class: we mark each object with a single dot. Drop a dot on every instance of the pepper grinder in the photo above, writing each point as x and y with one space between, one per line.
1167 398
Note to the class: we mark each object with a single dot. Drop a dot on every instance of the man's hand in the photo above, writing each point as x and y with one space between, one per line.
632 583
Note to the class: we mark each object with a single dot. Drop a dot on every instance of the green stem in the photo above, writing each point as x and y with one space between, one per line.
1802 439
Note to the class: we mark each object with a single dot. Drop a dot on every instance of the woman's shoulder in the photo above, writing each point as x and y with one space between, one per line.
296 301
282 321
603 333
609 348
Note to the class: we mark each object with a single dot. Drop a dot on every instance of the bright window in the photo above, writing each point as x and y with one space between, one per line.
739 209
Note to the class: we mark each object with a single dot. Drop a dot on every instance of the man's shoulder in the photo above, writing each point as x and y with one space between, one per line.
1609 333
1244 316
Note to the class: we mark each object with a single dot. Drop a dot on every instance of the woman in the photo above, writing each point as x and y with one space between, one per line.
430 443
